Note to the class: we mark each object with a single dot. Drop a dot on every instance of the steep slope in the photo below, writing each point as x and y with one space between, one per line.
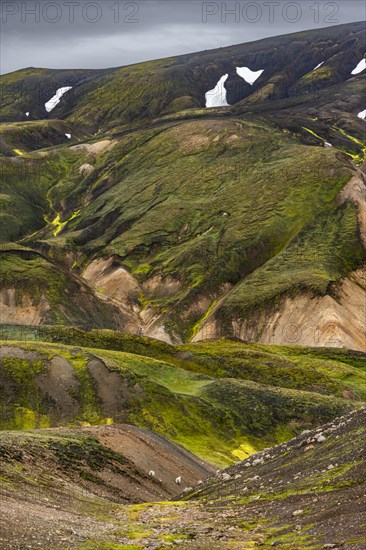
122 463
147 90
222 401
36 290
185 223
205 247
28 90
307 493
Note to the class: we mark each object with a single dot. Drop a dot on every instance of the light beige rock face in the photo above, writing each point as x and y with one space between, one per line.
96 148
152 325
355 191
22 311
327 321
337 320
113 281
159 286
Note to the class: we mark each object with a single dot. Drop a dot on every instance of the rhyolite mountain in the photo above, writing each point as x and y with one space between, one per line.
131 205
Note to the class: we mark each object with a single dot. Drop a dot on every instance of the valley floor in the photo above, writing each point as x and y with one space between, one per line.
308 493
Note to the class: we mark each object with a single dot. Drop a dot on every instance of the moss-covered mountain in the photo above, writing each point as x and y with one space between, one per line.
133 206
221 400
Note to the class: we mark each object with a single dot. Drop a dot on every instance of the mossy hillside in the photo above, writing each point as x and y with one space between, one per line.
306 116
23 137
321 254
25 406
185 419
29 89
144 90
25 183
325 371
138 91
213 202
71 448
328 371
130 163
26 191
68 300
218 418
317 79
226 212
173 378
18 377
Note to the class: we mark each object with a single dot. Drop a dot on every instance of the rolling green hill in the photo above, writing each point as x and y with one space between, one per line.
220 400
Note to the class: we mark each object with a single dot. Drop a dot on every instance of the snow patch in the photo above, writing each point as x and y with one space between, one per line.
248 75
27 113
68 136
217 96
55 100
327 144
360 67
362 115
320 64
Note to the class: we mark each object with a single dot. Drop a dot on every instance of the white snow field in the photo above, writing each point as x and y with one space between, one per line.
217 96
362 115
320 64
55 100
249 76
360 67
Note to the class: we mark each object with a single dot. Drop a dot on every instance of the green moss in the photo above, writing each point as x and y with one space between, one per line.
22 371
293 540
213 398
207 202
321 73
199 323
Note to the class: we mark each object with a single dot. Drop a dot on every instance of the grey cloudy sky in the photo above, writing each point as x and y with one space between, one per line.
109 33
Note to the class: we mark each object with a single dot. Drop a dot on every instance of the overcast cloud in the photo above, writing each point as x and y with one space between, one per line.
109 33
